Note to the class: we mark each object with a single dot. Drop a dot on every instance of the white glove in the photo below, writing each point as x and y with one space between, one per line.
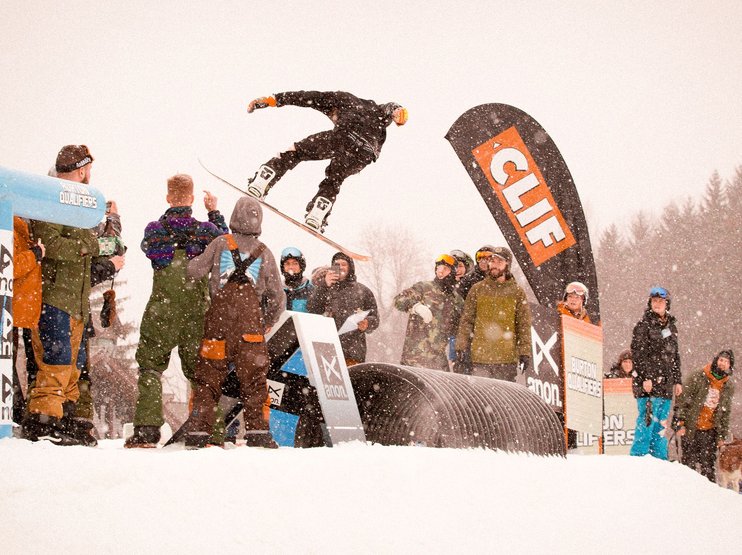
423 312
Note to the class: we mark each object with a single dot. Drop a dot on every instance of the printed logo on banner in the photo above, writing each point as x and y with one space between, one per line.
583 376
546 387
6 302
76 194
524 194
617 431
6 327
329 369
275 392
6 393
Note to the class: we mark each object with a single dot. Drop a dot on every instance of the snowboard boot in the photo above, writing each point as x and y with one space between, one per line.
196 440
144 437
262 438
40 427
82 430
259 185
79 428
317 213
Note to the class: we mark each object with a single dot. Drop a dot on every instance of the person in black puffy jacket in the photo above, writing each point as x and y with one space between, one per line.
656 375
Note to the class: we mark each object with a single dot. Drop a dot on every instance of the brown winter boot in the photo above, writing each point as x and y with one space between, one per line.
260 438
144 437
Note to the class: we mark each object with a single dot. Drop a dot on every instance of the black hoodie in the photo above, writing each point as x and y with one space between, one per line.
344 298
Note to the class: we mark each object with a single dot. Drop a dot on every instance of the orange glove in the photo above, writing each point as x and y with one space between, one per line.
262 102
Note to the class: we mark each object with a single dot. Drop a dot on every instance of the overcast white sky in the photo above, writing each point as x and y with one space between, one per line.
642 99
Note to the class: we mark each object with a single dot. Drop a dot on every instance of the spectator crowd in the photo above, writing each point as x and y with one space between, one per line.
218 290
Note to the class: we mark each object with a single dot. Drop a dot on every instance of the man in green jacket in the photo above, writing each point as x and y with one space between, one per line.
703 413
65 274
496 323
434 308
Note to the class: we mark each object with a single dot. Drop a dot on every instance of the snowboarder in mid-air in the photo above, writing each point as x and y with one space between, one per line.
355 142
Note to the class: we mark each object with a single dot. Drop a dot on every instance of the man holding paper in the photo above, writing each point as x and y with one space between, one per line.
351 304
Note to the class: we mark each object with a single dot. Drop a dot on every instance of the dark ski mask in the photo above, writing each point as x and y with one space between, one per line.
292 280
447 283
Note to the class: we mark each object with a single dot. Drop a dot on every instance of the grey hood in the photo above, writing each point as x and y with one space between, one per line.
247 217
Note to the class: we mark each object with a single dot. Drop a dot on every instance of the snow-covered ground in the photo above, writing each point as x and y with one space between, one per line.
354 499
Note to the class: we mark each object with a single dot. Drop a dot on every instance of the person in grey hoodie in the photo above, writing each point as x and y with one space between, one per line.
247 299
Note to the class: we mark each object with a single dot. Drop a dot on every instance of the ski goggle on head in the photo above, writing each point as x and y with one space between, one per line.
576 288
291 252
658 291
483 254
446 259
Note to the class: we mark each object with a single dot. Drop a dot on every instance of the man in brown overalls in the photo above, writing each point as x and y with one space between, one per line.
246 300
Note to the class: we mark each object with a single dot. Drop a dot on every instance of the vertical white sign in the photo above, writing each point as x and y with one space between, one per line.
583 375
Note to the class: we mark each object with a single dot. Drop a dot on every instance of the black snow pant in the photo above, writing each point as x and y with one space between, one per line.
701 450
347 157
19 400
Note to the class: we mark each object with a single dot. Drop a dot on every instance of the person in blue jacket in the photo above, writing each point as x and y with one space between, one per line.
296 286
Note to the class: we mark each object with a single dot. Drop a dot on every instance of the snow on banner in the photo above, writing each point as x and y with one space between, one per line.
527 187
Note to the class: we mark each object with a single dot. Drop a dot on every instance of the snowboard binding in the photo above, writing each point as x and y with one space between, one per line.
318 211
259 185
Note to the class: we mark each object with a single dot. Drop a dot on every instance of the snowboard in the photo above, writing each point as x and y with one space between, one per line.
297 223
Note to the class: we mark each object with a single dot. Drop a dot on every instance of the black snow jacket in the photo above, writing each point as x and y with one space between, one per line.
468 281
364 121
654 346
344 298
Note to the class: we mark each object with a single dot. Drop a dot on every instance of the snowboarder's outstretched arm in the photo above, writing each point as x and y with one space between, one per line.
322 101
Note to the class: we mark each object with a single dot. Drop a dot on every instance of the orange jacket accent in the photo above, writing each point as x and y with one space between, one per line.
706 416
562 309
26 278
253 338
231 243
213 349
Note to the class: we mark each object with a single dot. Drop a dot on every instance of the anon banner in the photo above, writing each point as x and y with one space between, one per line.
527 187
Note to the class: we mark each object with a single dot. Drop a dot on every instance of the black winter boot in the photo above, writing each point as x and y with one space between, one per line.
79 428
39 427
145 437
260 439
196 440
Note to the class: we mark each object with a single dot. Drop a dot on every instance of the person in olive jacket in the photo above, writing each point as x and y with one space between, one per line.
656 376
495 326
65 291
338 296
703 413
